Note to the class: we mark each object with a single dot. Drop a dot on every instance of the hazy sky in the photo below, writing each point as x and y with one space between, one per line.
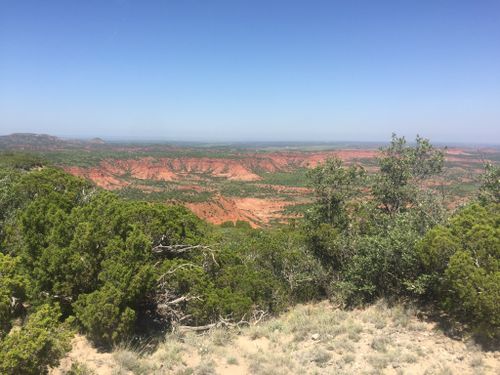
251 70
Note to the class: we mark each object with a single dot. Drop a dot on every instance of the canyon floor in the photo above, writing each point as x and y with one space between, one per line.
260 188
308 339
261 184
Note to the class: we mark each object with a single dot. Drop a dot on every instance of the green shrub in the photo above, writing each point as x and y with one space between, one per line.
104 315
474 292
364 231
490 187
14 286
463 260
403 168
40 343
282 255
92 252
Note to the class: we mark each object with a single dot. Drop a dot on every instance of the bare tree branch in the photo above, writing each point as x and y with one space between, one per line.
178 249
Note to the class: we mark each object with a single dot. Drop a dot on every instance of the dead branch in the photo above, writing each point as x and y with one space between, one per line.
194 328
170 304
175 269
178 249
177 301
257 316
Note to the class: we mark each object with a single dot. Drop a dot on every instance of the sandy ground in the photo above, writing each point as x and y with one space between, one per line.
311 339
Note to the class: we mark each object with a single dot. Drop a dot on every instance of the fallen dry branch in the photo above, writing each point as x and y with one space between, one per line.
257 316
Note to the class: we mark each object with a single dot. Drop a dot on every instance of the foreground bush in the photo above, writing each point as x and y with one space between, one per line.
65 241
364 230
40 343
461 263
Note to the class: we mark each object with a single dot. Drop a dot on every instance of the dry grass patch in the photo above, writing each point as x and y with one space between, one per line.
313 340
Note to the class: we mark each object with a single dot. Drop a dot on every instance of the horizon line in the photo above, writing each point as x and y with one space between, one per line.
161 140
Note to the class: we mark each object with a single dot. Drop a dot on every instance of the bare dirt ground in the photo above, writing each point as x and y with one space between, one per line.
310 339
255 211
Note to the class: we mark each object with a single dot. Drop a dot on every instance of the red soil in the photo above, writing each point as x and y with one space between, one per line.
456 151
99 176
292 190
165 169
112 175
242 168
253 210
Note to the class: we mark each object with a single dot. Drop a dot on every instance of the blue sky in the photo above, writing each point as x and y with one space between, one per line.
251 70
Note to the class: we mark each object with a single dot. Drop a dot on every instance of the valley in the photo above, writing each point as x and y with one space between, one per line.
261 184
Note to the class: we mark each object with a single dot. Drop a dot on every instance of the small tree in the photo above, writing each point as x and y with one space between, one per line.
490 187
403 168
334 186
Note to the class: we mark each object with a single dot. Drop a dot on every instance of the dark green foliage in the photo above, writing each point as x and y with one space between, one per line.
78 244
282 258
372 246
329 245
105 315
462 259
81 247
40 343
91 252
21 161
14 286
238 224
298 177
383 264
397 244
64 242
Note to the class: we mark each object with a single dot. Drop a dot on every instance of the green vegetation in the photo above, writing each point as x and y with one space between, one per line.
93 253
461 264
170 195
399 243
88 157
490 188
297 177
74 257
38 344
118 267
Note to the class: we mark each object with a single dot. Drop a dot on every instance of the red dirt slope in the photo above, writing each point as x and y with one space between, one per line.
256 211
241 168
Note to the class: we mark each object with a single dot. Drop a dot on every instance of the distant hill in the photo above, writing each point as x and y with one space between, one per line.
32 141
97 141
